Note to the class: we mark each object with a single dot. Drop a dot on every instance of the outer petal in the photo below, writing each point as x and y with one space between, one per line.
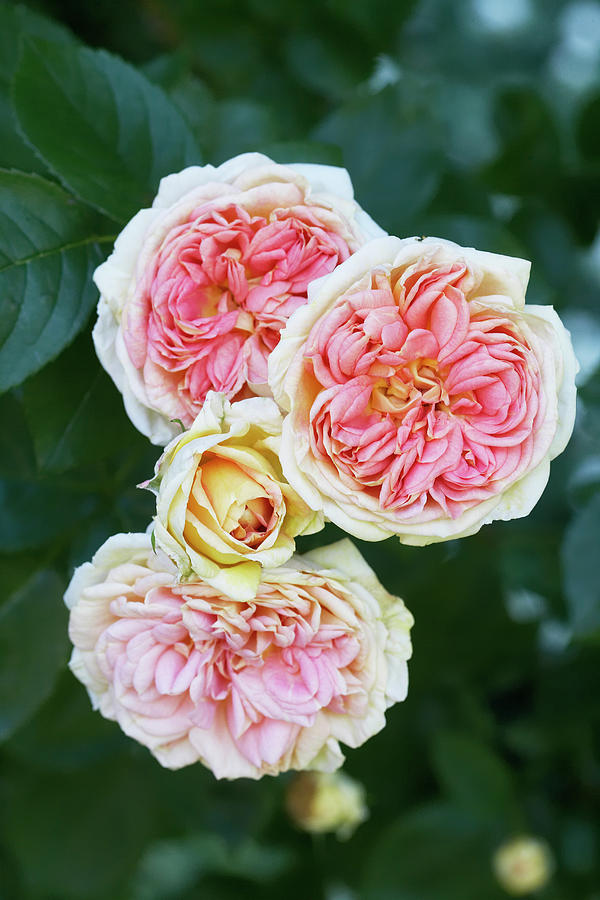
505 275
567 368
113 276
118 549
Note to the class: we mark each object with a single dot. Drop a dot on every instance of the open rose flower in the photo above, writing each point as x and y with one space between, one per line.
223 507
425 398
198 287
248 689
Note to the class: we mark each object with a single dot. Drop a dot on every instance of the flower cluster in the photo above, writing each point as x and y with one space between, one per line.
300 366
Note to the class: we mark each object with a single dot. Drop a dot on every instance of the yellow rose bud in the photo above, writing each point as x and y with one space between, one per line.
522 865
224 508
319 802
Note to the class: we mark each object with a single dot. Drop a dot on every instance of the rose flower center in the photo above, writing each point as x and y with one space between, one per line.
419 382
244 504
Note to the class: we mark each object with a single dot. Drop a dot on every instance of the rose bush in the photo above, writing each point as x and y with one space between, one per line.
223 507
247 689
424 397
198 287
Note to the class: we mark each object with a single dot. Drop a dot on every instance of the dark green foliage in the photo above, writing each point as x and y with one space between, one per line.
120 127
476 120
49 248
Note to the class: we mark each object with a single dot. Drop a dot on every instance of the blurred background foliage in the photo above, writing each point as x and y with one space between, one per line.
475 120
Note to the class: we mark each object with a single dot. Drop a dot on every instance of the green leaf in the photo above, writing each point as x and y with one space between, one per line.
476 780
85 421
124 133
433 853
167 69
580 570
48 252
18 20
15 22
33 648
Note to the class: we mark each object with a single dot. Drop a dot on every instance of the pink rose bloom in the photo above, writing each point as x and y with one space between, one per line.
198 287
425 398
248 689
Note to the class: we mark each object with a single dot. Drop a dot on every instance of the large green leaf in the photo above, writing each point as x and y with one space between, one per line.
85 421
16 22
123 132
33 648
48 252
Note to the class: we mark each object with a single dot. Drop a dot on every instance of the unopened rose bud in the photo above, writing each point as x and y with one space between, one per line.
320 802
523 865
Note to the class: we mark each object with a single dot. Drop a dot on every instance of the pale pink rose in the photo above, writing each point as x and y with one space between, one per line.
198 288
248 689
425 398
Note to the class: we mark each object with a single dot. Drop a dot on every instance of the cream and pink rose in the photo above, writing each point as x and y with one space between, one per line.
223 506
198 287
425 397
248 689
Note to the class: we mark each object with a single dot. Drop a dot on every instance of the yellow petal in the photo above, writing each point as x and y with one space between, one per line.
228 489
